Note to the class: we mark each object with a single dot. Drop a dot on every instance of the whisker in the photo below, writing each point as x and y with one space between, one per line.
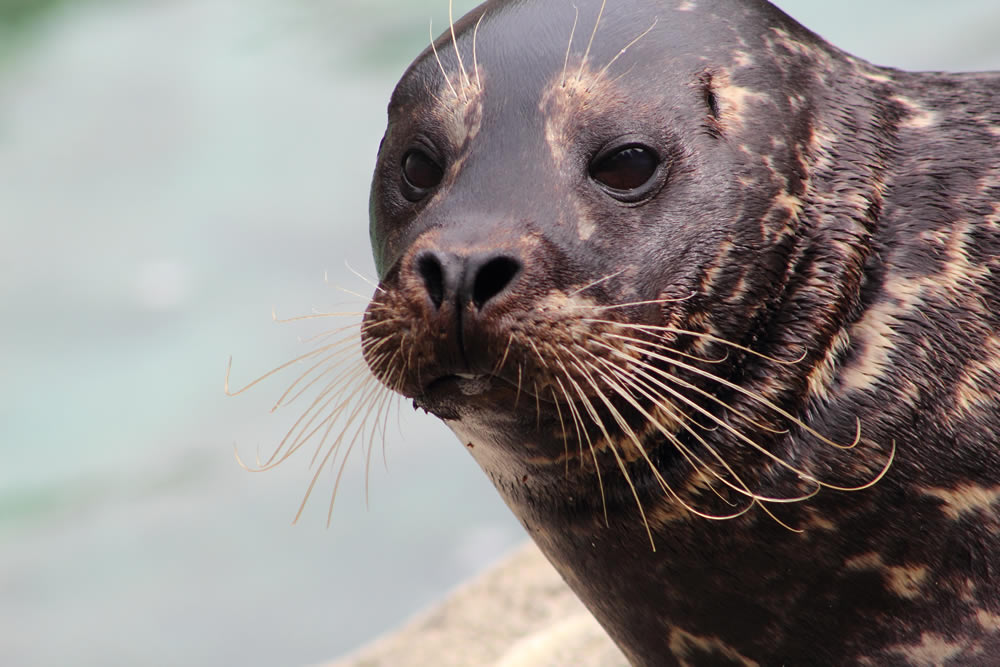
578 424
803 475
586 54
595 417
303 430
291 442
475 59
562 429
704 336
596 282
569 46
362 405
461 66
229 368
743 488
876 480
314 316
710 396
659 401
437 57
503 359
517 396
645 302
666 348
753 396
354 327
538 407
382 401
616 414
626 48
325 361
331 452
372 283
355 348
590 443
624 393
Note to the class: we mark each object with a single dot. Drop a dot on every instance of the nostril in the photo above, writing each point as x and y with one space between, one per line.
492 278
430 270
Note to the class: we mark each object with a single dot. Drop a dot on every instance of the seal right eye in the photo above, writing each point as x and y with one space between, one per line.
626 169
627 172
420 174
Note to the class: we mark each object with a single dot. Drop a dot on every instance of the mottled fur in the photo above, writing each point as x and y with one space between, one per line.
822 255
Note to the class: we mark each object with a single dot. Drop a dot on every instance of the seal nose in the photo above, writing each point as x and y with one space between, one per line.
474 279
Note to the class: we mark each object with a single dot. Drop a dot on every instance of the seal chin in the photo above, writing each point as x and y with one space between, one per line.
460 395
459 384
442 396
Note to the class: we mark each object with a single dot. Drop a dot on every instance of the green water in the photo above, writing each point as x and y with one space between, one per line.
169 173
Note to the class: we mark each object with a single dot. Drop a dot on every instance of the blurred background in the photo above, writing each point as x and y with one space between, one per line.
170 172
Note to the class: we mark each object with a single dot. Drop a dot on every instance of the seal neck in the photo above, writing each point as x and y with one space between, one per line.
836 265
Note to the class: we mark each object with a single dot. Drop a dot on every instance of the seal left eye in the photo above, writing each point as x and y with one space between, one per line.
626 169
420 174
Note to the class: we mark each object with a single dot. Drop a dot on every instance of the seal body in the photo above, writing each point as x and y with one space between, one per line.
716 307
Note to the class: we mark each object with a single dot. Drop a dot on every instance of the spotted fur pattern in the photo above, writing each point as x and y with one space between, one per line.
808 302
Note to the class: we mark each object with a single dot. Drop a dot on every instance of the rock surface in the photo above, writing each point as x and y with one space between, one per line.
519 613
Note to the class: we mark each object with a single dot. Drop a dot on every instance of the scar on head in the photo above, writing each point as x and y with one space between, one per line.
711 99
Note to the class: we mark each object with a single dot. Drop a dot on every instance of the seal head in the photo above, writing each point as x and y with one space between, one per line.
664 263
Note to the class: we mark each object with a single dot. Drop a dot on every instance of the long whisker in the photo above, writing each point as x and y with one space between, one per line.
379 403
741 488
669 350
590 444
373 284
624 393
437 57
229 368
517 396
578 424
586 54
753 396
595 283
331 333
626 48
645 302
562 429
503 359
659 401
802 474
454 42
475 59
623 424
710 396
332 368
650 328
335 446
336 395
569 46
291 442
313 316
596 418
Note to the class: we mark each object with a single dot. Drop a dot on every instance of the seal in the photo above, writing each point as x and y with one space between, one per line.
716 307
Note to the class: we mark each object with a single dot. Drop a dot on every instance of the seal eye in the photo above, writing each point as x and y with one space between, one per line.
626 169
420 174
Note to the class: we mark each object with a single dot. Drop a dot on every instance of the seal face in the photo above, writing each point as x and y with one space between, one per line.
716 307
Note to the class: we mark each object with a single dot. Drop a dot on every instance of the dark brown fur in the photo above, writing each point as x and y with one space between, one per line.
817 267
